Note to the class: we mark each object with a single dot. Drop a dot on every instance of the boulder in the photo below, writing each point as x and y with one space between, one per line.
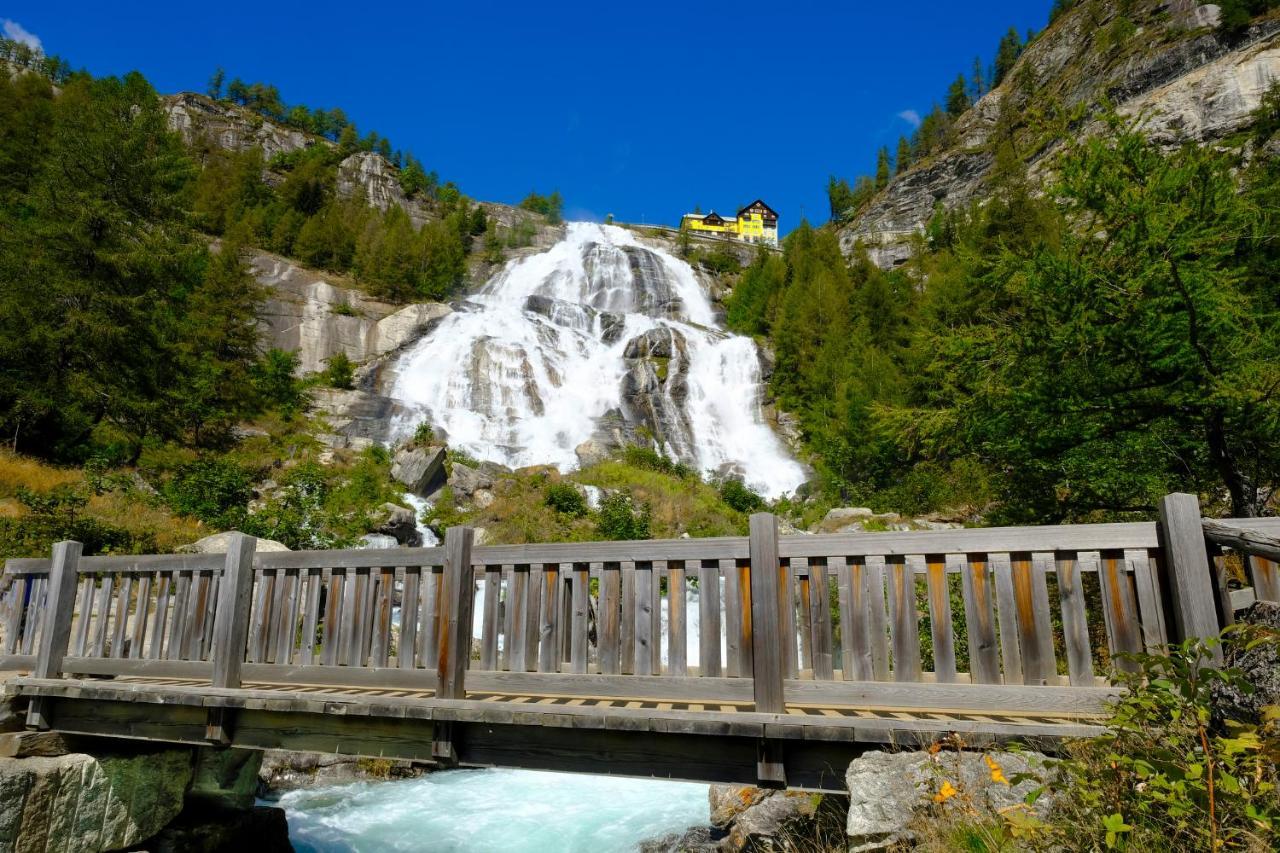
419 469
226 778
217 544
591 452
750 818
399 522
282 770
887 788
465 480
1260 667
482 498
82 803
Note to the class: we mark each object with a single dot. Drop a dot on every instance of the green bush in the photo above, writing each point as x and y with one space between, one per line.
339 371
213 490
57 515
296 515
424 434
566 500
735 493
620 518
652 460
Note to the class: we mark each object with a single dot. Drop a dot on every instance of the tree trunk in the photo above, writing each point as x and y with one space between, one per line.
1244 496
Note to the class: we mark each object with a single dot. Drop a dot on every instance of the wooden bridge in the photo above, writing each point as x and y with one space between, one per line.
808 648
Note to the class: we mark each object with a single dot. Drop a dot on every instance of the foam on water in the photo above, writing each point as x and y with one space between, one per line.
523 371
492 810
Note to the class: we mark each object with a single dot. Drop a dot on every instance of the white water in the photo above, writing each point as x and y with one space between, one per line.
492 810
521 374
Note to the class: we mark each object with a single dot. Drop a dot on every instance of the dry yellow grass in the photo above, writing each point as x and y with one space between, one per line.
23 472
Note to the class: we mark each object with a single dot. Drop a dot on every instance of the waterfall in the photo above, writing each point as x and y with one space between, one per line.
597 336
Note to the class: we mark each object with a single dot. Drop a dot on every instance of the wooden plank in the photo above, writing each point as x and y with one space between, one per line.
1075 623
563 634
904 628
627 631
194 611
549 612
799 573
1266 578
35 614
820 621
532 626
259 619
380 645
855 641
181 605
1007 613
734 626
120 628
103 612
516 636
84 607
491 625
211 611
230 629
944 652
787 619
1181 538
286 633
1245 540
581 616
1035 638
429 616
979 614
457 598
643 650
877 619
159 619
1120 608
655 617
366 582
139 638
335 598
311 615
709 660
610 615
1146 570
766 611
508 617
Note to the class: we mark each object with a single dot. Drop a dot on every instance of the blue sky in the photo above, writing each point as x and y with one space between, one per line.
642 110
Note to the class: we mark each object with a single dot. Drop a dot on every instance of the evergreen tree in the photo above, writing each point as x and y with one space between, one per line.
977 80
884 169
348 140
903 161
1007 55
840 197
215 84
958 98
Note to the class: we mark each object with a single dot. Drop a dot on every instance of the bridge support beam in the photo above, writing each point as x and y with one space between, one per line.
59 604
765 630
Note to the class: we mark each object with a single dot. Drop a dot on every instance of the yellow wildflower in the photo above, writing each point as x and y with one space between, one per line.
997 774
947 792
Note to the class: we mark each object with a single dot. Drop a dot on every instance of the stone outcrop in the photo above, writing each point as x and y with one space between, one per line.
398 522
466 481
198 118
306 313
80 802
1185 83
886 789
287 771
751 819
369 175
420 469
356 419
1260 667
217 544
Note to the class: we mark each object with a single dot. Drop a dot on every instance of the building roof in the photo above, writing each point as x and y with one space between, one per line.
759 203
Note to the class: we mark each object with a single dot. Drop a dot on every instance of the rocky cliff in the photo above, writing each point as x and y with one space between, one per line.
1164 65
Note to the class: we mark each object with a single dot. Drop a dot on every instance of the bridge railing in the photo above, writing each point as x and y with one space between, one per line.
758 621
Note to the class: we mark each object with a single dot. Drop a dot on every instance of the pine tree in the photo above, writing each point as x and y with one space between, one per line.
903 160
958 97
977 80
884 169
215 84
840 197
1007 55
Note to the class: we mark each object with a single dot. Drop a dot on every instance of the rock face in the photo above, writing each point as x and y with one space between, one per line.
420 469
80 802
750 819
466 481
199 118
309 315
288 771
357 419
1184 82
367 174
886 789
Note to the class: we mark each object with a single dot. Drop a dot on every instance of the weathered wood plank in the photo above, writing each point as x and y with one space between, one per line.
627 632
820 619
429 616
457 599
60 604
138 640
787 619
581 616
643 651
103 612
1033 624
877 619
1243 539
516 634
1266 578
549 614
310 615
1146 569
1119 608
122 617
767 644
230 629
259 621
1181 538
181 607
904 627
655 617
490 626
802 583
979 614
1007 613
1075 622
855 642
159 619
709 660
610 615
84 607
380 647
335 598
537 585
735 627
944 652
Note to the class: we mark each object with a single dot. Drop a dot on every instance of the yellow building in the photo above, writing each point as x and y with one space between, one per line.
755 223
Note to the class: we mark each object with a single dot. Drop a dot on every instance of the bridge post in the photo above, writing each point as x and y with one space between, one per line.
1191 578
766 640
231 627
59 607
457 597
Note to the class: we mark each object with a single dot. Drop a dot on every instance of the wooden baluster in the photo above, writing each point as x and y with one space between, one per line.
122 617
1007 612
1075 622
655 617
1035 637
767 641
1120 609
855 644
103 608
139 638
819 605
380 647
877 619
159 619
787 617
677 630
532 619
944 652
84 611
581 618
610 616
733 618
904 628
798 569
311 616
709 660
509 608
627 633
643 655
492 611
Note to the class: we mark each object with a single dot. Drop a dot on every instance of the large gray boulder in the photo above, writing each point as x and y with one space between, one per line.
886 789
419 469
1260 666
217 544
466 481
83 804
399 522
749 818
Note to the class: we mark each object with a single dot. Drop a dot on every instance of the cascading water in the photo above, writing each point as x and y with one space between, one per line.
528 368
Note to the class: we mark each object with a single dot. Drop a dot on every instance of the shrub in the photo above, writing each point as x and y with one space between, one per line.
339 371
296 516
424 435
566 500
620 518
212 490
652 460
57 515
735 493
275 382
